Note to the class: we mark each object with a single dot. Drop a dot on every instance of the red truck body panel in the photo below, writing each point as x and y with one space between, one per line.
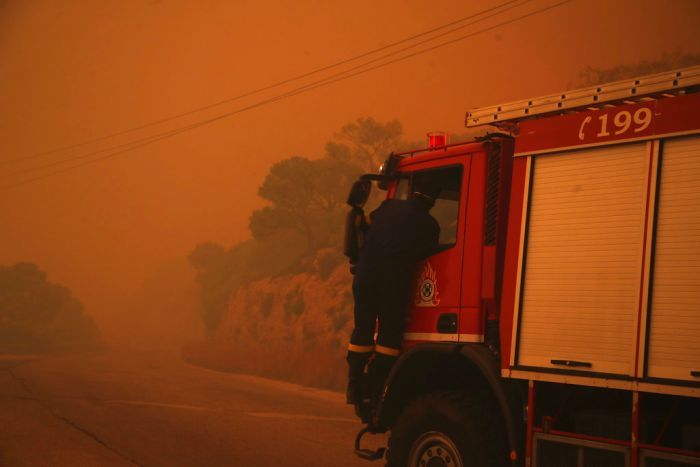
592 277
476 281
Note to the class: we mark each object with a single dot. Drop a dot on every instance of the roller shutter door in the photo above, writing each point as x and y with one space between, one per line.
674 331
582 267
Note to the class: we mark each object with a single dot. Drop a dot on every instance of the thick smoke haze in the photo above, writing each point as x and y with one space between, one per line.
117 232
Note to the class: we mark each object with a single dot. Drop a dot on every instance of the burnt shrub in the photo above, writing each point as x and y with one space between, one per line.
294 304
266 303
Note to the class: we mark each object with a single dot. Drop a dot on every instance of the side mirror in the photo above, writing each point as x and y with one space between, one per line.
359 193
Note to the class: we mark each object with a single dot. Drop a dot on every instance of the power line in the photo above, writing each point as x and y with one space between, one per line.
324 82
327 78
300 90
442 44
258 90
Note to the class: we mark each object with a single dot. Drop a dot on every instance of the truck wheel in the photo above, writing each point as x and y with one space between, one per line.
450 429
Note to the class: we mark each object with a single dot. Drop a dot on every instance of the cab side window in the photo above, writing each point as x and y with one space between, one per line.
446 209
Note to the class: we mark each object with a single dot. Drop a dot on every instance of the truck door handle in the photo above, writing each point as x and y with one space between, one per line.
695 373
447 323
571 363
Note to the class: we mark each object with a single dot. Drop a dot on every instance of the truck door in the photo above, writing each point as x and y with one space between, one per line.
434 302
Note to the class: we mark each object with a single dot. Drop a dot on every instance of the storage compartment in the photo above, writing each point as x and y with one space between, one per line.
674 312
582 260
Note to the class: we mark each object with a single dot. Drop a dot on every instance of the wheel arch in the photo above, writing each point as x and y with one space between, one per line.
423 370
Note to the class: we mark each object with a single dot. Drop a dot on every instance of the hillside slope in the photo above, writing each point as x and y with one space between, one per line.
292 327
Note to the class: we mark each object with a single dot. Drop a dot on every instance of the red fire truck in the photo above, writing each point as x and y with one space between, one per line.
559 323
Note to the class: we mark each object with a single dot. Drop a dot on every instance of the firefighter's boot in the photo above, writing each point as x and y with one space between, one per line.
357 361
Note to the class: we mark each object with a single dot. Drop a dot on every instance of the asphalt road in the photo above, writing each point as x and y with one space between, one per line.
120 409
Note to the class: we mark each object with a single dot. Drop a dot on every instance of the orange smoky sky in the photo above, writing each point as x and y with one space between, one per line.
74 70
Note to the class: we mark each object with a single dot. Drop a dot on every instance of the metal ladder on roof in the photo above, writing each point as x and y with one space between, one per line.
669 83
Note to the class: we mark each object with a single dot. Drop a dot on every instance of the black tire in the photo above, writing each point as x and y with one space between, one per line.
454 429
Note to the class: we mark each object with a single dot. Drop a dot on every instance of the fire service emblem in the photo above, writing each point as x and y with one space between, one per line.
426 288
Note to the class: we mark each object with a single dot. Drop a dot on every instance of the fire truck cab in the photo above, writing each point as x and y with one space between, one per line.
559 322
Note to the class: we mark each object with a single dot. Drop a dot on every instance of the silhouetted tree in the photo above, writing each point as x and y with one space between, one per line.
306 196
36 315
370 142
305 214
207 256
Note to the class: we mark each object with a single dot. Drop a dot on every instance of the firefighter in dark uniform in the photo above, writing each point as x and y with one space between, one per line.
401 232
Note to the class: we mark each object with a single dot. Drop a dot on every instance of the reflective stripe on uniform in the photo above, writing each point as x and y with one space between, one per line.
387 351
360 348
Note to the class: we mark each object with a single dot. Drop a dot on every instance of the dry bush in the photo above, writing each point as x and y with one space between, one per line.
292 327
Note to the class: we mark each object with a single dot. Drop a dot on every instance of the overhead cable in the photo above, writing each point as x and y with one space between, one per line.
261 89
330 78
302 89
